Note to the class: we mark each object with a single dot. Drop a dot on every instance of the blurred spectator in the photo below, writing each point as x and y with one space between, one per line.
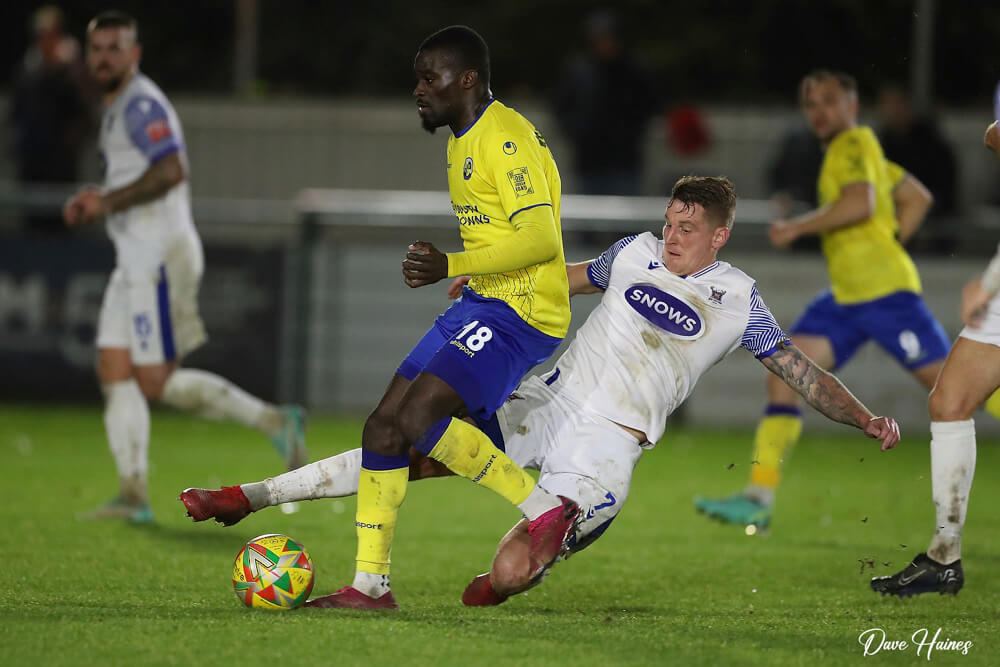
603 104
52 111
793 172
687 131
915 143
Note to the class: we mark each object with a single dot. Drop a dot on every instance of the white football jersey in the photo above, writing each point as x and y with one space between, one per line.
139 128
654 334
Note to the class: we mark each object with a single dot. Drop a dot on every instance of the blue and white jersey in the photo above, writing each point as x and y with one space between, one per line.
654 334
139 128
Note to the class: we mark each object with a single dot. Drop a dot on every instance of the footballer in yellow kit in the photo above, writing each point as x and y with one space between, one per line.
874 287
502 179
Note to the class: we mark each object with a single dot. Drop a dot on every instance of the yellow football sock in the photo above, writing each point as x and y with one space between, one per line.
993 404
776 434
469 452
380 493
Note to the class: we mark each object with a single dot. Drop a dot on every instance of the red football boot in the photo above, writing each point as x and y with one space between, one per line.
549 534
349 597
228 505
480 593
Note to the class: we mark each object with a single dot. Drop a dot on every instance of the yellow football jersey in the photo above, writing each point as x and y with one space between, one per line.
865 261
501 174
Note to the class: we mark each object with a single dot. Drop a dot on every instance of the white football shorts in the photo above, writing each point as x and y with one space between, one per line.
154 316
579 455
988 330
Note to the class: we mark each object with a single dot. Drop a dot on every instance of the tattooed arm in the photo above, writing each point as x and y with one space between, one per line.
828 395
90 205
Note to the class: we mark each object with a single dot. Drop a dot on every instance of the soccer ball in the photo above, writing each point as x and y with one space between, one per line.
273 572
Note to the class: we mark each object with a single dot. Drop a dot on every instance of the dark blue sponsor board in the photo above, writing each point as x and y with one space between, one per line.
50 297
665 310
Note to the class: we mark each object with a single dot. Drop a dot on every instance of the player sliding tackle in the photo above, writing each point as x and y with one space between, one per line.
505 190
670 309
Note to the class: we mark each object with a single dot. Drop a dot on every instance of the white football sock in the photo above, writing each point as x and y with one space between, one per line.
953 463
333 477
372 585
126 422
538 502
214 397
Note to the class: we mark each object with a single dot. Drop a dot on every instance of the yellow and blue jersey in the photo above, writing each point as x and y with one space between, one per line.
501 175
865 260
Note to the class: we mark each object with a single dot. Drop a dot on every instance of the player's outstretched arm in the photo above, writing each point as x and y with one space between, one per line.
828 395
579 281
912 201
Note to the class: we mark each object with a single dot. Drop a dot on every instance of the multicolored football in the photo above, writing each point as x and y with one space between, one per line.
273 572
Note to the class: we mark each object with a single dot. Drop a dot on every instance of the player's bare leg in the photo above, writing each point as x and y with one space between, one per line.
776 434
126 422
510 573
970 375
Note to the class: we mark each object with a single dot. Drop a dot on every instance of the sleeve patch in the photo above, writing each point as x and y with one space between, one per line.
520 181
149 127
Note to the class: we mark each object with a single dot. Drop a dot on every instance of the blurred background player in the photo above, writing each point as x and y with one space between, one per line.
505 191
875 289
149 316
971 373
53 112
571 423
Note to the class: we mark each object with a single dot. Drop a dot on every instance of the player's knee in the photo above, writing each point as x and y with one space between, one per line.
509 575
949 406
412 421
151 385
380 434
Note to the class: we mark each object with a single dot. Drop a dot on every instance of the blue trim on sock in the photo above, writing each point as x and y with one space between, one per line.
789 410
491 427
376 461
432 436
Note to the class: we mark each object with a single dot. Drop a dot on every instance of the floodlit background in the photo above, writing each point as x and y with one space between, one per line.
304 143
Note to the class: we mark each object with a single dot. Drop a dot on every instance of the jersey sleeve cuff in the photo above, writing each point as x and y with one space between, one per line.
163 152
771 350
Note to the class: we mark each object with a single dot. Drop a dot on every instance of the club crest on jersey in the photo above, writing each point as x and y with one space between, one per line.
509 147
520 181
467 169
668 312
717 294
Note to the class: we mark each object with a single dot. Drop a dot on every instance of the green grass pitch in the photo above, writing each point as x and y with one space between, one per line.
663 586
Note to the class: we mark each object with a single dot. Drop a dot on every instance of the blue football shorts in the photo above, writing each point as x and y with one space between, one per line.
482 348
901 323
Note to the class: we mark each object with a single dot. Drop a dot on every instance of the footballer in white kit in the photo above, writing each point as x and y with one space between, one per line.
970 375
637 357
669 312
149 315
151 303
